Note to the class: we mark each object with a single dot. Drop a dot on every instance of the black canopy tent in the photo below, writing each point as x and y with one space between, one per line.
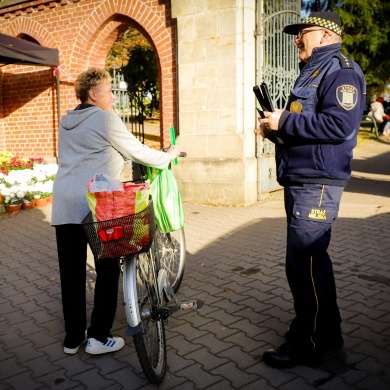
18 51
21 52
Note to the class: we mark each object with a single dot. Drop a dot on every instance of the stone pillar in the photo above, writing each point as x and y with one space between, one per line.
216 105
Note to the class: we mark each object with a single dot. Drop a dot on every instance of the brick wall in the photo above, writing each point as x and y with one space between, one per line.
83 31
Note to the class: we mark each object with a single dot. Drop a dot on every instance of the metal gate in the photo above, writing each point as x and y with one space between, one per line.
277 65
126 107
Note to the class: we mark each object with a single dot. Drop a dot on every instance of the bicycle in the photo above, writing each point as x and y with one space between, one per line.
149 260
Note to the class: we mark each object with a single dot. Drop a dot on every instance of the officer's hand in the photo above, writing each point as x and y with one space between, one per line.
263 131
271 120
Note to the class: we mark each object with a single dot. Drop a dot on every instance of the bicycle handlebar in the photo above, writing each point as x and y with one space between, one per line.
182 154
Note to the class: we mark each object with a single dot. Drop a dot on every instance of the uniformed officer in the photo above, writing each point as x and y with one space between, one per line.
314 138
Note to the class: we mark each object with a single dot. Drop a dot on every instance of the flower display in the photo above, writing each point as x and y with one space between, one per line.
34 181
9 162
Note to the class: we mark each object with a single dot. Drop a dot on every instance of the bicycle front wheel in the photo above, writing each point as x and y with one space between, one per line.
172 255
150 344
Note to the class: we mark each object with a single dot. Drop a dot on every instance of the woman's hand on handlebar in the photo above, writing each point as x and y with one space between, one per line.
174 151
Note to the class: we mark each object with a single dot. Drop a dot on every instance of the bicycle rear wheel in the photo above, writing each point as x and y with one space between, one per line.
150 344
172 255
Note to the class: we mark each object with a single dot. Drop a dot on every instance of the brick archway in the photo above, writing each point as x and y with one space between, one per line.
101 29
34 29
83 31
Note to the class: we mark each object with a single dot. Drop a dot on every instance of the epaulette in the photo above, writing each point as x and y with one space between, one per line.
345 62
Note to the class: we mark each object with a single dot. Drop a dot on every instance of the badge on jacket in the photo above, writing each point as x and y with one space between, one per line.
347 96
296 107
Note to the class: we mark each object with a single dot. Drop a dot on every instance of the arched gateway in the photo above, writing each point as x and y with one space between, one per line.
208 58
83 31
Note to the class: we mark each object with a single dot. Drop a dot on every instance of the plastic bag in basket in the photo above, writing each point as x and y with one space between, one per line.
106 205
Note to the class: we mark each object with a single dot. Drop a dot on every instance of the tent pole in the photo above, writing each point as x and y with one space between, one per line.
58 109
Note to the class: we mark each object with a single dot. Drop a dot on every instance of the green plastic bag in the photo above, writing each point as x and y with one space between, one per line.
167 204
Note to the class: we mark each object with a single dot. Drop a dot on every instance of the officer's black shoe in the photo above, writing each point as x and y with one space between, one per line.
330 342
288 355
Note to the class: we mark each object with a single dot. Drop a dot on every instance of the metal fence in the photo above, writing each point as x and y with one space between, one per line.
127 108
277 65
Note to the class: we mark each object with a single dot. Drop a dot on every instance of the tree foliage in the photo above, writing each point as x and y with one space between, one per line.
134 57
366 36
142 77
122 47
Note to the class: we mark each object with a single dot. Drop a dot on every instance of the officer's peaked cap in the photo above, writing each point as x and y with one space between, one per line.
328 20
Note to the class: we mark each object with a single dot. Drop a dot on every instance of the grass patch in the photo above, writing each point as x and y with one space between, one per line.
365 135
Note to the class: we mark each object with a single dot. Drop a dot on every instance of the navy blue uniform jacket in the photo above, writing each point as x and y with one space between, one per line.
315 145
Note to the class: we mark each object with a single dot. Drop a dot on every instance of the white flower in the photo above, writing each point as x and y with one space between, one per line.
20 194
45 171
10 180
48 186
39 187
39 176
26 176
51 169
5 191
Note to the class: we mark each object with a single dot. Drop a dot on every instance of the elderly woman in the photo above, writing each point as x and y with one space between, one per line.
92 140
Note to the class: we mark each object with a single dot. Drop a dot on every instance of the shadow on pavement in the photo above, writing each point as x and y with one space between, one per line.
235 264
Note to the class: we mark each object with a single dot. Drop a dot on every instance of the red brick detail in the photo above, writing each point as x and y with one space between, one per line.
83 32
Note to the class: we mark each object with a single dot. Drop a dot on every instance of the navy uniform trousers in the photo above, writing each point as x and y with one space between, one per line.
311 210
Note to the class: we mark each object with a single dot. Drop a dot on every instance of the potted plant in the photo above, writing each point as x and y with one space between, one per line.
40 194
29 199
12 199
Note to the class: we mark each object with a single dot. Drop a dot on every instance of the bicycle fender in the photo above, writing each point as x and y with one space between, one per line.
133 330
130 295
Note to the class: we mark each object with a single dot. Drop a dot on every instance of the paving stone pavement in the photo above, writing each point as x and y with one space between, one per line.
235 264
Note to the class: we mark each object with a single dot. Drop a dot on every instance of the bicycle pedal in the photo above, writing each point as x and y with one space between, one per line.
164 313
190 305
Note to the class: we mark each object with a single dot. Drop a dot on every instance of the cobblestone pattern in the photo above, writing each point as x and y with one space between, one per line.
235 264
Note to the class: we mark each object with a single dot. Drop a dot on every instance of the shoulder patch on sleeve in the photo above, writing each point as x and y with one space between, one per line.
347 96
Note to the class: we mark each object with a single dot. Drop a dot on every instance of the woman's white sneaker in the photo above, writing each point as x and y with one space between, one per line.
96 347
72 351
